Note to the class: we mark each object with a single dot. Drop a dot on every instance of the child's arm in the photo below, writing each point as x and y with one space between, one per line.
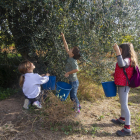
41 80
65 43
121 62
71 72
116 48
47 74
112 74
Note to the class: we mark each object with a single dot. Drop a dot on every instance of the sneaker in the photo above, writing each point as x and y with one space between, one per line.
123 133
79 107
26 104
78 111
117 121
37 104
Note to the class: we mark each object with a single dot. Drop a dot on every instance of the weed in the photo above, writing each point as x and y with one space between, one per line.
130 103
77 123
62 129
56 129
99 118
5 93
94 130
106 133
85 130
66 133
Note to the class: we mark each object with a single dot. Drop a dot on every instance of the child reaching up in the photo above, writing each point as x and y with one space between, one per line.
30 83
126 59
71 70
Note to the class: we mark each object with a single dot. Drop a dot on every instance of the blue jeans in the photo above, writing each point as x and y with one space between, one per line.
73 93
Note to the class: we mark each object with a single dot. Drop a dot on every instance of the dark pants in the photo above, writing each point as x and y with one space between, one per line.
38 98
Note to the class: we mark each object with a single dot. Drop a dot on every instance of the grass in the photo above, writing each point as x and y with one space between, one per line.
6 93
61 115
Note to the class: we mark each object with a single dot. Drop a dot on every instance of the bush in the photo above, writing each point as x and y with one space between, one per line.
5 93
9 74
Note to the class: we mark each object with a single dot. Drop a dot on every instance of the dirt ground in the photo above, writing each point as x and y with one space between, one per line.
19 124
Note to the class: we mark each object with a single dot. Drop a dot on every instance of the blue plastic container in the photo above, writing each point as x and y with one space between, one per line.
50 85
109 88
62 90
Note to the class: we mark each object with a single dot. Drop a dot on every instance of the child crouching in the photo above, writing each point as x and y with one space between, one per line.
30 83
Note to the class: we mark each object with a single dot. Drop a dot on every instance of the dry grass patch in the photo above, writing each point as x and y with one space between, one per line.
57 110
88 89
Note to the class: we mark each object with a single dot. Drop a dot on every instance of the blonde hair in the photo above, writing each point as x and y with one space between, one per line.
134 59
23 66
129 52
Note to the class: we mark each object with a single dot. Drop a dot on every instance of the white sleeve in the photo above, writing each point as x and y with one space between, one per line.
41 80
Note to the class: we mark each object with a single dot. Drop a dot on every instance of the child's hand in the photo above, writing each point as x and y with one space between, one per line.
62 35
112 74
66 75
47 74
42 75
116 47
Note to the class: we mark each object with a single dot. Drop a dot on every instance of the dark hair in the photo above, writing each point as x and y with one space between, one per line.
129 52
125 51
76 53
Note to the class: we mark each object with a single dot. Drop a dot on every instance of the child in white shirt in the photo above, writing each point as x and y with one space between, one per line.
30 83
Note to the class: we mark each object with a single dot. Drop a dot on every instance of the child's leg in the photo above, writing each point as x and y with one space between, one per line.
36 101
123 97
26 103
73 93
119 92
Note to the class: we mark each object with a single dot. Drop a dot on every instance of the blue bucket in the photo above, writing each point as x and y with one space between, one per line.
50 85
109 88
62 90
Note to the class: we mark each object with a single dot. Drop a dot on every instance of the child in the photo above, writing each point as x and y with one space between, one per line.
127 59
71 69
30 83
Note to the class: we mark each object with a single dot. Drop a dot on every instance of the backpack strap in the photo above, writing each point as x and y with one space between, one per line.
126 77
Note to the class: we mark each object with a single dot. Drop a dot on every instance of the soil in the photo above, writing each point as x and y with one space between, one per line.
19 124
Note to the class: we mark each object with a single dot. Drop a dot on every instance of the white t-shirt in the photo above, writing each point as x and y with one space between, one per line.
31 86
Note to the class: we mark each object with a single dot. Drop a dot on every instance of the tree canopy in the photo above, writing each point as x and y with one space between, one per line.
34 26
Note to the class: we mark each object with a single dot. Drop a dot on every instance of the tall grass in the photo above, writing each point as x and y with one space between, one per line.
88 89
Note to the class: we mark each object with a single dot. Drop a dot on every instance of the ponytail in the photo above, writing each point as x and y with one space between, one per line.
23 66
21 81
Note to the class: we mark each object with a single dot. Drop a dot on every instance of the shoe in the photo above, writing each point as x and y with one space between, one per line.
26 104
123 133
117 121
78 111
37 104
79 107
